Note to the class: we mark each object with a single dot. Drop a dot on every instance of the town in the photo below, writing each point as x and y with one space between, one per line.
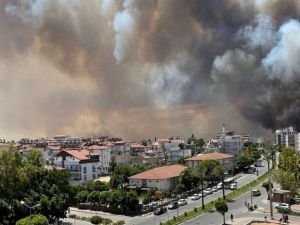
111 180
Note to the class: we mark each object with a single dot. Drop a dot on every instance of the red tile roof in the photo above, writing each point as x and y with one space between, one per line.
160 173
79 154
207 156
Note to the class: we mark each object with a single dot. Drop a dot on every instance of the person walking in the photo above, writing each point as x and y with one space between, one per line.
231 216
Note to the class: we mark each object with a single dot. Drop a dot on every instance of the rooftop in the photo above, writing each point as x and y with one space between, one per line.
160 173
208 156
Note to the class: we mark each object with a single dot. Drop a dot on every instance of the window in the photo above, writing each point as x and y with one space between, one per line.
94 176
93 168
84 177
84 169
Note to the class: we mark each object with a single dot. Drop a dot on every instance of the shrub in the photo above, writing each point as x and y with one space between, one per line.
96 219
83 218
185 214
120 222
195 209
255 206
251 208
33 220
107 221
174 218
72 216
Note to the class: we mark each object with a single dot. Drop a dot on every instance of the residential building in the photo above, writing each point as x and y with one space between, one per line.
297 142
161 178
80 163
285 136
120 152
104 156
226 160
227 142
175 149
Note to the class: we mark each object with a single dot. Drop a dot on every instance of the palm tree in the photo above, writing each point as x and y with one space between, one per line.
202 172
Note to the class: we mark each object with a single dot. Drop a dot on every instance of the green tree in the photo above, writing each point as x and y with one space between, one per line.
254 152
189 179
222 208
243 161
33 220
35 158
288 172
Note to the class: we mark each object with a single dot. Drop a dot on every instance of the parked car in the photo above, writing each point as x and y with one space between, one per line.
297 199
173 205
160 210
219 186
208 191
283 206
196 196
182 202
233 186
256 192
214 188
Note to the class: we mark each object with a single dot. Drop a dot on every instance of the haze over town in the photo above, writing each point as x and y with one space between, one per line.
147 68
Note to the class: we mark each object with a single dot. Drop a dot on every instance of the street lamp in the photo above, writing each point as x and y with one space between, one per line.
30 207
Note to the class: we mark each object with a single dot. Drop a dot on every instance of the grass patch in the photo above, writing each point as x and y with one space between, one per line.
211 205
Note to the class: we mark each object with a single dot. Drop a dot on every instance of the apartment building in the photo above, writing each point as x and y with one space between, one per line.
81 164
104 156
286 137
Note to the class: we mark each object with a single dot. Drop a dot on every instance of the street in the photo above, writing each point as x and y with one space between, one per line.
237 207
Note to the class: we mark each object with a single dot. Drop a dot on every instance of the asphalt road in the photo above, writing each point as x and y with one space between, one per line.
237 207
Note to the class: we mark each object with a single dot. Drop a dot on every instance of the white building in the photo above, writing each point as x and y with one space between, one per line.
175 149
104 155
162 178
297 142
285 136
226 142
80 163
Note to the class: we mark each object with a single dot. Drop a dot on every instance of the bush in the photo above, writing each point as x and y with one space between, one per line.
83 218
174 218
107 221
96 219
195 209
33 220
72 216
251 208
120 222
255 206
185 214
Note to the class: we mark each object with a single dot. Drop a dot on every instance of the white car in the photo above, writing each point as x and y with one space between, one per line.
219 186
214 188
182 202
283 206
233 186
208 191
196 196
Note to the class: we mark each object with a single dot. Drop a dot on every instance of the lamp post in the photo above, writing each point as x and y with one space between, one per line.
30 207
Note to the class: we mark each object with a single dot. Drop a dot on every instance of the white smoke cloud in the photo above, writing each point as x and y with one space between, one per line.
167 84
124 26
283 61
262 35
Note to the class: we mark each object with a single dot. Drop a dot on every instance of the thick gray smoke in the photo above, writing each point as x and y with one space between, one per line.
145 68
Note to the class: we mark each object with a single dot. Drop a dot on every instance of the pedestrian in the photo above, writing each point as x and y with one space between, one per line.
246 203
265 218
231 216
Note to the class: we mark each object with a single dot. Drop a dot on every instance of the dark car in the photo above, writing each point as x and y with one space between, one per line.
173 205
160 210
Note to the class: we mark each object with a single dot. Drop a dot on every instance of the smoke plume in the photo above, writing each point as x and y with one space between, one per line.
145 68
